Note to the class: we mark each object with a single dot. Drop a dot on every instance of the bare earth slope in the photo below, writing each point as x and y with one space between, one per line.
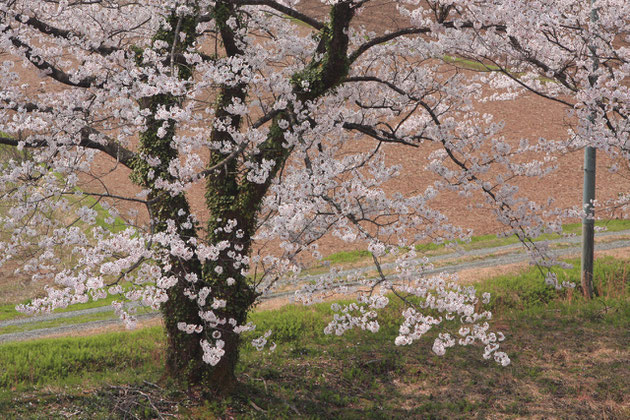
528 116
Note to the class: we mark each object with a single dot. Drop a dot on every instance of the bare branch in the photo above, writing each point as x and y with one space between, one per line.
276 6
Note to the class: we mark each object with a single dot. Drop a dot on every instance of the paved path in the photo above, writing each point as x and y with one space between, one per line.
484 257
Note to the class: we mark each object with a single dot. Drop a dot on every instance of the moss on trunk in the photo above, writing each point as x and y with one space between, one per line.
229 196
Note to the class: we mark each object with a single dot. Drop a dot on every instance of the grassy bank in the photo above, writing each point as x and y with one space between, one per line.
570 359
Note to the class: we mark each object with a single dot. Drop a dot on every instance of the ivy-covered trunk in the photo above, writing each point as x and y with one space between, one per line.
231 199
184 353
184 356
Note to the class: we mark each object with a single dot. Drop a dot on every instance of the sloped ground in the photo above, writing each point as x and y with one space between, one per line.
472 265
525 117
564 365
528 116
570 359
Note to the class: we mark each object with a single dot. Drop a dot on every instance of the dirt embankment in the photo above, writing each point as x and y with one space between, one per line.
528 116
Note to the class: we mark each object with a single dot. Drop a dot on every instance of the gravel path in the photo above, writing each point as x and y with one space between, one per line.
70 328
509 254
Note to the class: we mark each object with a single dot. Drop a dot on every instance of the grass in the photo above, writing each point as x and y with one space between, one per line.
491 241
345 257
9 312
56 323
114 357
526 290
485 67
470 64
570 359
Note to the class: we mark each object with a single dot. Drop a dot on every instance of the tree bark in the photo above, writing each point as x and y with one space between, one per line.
229 196
184 354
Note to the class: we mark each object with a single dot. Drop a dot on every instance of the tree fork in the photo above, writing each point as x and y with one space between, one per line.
232 197
184 355
228 197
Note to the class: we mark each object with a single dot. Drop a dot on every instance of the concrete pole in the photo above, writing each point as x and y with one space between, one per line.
588 195
588 222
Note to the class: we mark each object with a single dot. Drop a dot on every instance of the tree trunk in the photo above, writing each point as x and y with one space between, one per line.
184 354
229 197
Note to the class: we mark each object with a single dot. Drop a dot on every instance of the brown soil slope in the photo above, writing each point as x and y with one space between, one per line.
528 116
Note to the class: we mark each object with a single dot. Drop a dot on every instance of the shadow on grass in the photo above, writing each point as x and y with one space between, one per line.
570 359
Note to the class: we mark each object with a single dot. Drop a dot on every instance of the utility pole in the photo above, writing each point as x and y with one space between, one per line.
588 194
588 222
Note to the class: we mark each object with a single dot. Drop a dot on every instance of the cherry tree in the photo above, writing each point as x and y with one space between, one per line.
570 52
263 104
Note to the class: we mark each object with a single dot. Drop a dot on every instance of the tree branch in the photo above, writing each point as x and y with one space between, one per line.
276 6
111 148
385 38
50 70
60 33
378 134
